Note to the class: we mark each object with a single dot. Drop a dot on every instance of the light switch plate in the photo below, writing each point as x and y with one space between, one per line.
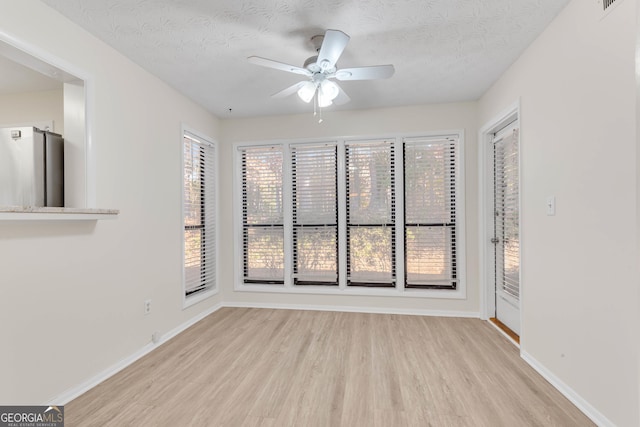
551 205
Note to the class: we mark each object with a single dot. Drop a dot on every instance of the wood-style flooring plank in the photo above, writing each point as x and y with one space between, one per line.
266 368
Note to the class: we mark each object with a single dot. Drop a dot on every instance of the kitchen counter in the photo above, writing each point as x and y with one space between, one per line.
20 213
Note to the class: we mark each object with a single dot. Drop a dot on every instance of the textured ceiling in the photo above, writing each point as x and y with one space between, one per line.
443 50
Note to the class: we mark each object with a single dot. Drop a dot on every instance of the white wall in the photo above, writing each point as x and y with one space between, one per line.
77 174
579 276
25 107
71 293
445 117
638 183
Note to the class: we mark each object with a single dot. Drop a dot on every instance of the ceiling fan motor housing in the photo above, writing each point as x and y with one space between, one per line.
310 62
321 69
312 65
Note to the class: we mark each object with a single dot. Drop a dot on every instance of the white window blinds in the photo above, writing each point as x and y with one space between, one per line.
507 214
315 214
371 239
262 215
324 215
199 214
430 212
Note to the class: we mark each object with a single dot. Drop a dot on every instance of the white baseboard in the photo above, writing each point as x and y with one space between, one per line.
591 412
352 309
74 392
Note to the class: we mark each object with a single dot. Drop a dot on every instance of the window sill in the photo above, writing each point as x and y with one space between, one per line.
27 213
454 294
190 300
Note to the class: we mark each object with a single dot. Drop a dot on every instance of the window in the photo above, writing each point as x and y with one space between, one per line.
375 216
430 213
199 215
315 214
370 214
262 215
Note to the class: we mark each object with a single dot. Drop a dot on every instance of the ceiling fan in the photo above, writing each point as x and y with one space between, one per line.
320 69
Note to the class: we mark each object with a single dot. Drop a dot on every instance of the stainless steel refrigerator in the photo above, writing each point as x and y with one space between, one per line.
31 167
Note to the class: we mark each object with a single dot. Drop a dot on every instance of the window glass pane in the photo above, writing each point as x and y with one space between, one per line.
264 253
262 182
193 179
316 254
371 255
429 255
193 259
507 222
429 182
314 184
370 183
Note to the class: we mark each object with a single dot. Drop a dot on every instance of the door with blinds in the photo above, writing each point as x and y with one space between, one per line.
506 236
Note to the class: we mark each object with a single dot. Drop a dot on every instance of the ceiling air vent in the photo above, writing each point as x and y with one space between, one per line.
606 6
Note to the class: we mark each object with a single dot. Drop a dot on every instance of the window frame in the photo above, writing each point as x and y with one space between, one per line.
298 225
342 289
193 298
391 223
451 225
246 226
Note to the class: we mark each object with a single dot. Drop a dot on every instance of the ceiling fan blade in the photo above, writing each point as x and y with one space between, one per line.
342 97
332 47
288 91
366 73
269 63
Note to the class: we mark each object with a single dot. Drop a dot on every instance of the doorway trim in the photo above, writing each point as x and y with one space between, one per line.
485 190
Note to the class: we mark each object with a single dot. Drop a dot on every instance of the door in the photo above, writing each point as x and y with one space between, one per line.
506 237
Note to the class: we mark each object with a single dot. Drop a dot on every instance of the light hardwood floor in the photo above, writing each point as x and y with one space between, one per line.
260 367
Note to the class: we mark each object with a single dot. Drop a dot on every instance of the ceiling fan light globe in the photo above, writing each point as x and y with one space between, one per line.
307 91
329 89
323 100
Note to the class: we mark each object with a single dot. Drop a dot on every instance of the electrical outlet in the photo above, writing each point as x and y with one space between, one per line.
147 307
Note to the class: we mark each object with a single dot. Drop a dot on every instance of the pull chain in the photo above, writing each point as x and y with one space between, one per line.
317 110
315 104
